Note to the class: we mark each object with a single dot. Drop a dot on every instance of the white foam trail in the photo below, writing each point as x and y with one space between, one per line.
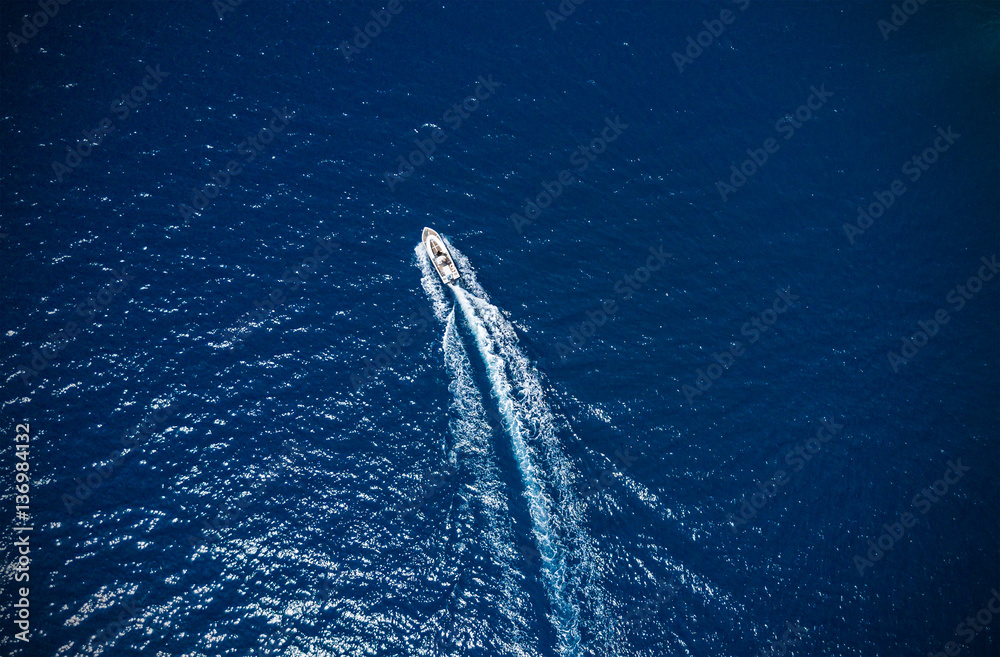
529 423
472 433
431 283
570 565
469 281
567 560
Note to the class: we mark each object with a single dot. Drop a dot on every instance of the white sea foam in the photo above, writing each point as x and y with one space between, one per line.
471 431
469 281
528 423
566 556
431 282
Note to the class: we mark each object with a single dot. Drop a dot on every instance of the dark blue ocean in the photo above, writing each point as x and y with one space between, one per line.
721 377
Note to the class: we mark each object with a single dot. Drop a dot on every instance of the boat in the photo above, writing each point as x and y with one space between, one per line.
440 257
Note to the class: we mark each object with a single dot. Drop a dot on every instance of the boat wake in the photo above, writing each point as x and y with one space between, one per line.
471 431
564 554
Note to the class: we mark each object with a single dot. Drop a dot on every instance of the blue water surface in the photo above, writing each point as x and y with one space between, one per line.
723 380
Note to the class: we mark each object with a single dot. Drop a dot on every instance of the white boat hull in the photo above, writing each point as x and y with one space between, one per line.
440 257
